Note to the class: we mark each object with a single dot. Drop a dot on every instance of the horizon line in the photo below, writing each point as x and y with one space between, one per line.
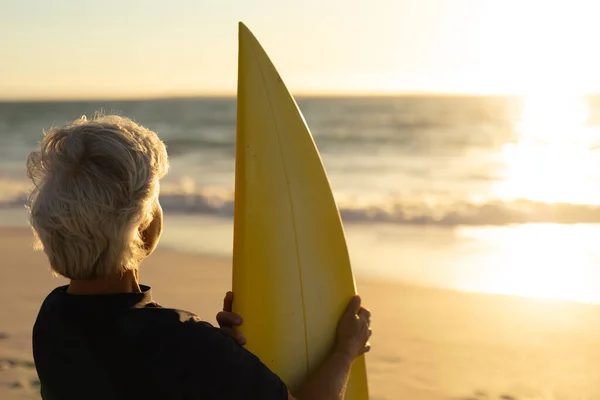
229 94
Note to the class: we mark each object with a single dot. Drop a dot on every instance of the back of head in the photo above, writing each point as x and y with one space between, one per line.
96 186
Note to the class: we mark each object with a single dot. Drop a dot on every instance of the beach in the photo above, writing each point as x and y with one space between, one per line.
471 223
460 140
427 343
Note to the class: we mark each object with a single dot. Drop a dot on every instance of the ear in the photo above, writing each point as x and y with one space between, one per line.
151 235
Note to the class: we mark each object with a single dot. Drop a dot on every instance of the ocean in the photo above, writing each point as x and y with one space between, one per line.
485 194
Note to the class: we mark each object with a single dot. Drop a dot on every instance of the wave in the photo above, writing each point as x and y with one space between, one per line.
13 192
490 213
219 202
182 199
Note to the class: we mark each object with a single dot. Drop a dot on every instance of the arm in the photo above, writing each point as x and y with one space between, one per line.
328 382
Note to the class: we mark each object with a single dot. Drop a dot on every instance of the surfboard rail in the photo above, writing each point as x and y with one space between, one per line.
292 276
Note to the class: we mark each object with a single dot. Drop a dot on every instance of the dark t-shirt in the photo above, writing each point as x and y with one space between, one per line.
125 346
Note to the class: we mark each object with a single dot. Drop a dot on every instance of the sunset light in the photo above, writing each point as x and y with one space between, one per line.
555 158
252 165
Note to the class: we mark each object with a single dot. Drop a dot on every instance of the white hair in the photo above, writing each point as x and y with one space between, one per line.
95 190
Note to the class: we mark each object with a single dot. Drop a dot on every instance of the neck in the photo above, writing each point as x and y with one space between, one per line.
116 283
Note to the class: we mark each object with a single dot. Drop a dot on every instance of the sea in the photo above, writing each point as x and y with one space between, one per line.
486 194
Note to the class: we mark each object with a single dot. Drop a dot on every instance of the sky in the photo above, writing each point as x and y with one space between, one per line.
153 48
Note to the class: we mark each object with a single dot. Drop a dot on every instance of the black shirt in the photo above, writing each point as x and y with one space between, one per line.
125 346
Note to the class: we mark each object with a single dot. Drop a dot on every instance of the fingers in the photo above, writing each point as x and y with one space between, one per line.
237 336
367 348
354 328
365 316
364 313
353 306
228 319
228 301
367 344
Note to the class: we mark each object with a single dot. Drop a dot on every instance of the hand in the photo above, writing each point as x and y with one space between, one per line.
229 320
354 330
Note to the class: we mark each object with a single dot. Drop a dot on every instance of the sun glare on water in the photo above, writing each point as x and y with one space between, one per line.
553 160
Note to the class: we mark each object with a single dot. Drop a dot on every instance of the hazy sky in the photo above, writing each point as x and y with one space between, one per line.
124 48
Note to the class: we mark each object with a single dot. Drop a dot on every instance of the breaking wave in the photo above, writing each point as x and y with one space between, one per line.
490 213
219 202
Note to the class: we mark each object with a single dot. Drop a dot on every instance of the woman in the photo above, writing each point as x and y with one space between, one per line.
95 213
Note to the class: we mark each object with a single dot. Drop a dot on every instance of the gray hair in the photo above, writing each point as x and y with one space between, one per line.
96 186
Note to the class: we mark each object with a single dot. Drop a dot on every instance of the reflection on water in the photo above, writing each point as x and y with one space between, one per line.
554 159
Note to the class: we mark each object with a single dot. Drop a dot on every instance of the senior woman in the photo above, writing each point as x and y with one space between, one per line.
95 212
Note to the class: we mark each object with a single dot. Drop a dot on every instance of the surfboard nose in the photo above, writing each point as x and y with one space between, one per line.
242 29
246 37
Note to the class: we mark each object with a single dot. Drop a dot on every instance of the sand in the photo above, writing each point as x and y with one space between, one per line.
427 343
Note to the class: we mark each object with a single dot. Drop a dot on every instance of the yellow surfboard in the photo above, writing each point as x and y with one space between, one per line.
292 277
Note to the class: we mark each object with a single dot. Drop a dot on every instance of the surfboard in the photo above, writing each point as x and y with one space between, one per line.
292 277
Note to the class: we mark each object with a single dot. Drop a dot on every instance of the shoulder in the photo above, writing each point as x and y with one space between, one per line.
168 328
218 366
50 306
201 337
53 297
